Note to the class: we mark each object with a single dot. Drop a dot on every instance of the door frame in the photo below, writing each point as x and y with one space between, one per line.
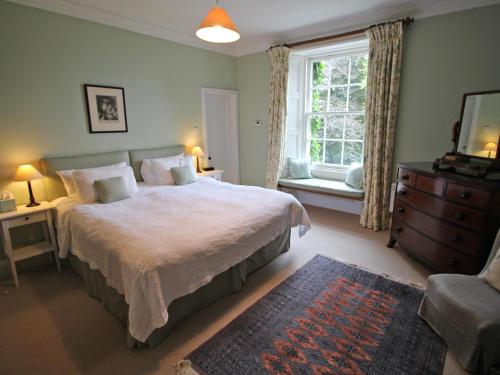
233 130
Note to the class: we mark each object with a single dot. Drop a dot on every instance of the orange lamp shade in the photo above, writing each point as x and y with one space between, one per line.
197 151
217 27
490 146
27 172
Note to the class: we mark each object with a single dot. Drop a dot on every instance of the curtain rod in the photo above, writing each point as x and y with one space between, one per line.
406 21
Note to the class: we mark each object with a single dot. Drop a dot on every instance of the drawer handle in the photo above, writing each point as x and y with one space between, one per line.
456 237
465 194
460 216
399 229
401 209
452 262
402 191
27 218
405 176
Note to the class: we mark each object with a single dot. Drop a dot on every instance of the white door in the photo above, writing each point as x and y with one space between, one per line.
220 131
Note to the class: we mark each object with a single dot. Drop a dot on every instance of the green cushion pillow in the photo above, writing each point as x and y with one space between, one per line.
111 189
183 175
299 168
354 177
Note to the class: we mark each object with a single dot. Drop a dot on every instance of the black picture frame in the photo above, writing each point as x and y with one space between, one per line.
106 109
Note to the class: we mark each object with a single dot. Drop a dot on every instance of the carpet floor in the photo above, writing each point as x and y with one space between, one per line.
327 318
50 326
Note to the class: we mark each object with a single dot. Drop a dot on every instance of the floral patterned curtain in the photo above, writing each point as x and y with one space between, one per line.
380 123
277 114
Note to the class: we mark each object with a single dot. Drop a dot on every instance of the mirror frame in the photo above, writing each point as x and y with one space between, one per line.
459 127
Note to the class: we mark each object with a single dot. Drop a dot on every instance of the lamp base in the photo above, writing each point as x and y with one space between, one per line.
33 204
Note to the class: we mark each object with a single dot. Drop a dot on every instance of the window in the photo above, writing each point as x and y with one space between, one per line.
334 117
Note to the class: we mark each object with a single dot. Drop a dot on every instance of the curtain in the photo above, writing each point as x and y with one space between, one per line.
277 114
380 121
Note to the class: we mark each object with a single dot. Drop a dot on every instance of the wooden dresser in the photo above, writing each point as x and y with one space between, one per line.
448 221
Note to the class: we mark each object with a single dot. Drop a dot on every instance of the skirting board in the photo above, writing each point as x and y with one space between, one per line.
321 200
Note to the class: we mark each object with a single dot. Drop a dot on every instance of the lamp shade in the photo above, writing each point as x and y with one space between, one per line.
197 151
490 146
27 172
217 27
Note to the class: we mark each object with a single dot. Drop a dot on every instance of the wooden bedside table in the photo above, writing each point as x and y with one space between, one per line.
23 216
215 174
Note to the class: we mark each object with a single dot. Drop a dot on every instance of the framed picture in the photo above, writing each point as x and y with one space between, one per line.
106 109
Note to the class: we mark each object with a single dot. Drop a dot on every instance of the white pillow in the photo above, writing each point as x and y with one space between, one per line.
190 161
161 170
67 178
492 274
148 172
84 180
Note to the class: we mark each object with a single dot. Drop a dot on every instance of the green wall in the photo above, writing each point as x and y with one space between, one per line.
252 77
443 57
46 58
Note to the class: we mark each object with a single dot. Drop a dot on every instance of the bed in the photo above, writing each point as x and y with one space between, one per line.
168 251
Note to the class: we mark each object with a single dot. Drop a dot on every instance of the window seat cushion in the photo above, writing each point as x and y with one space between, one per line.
320 185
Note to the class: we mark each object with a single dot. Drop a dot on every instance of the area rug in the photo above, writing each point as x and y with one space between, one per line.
327 318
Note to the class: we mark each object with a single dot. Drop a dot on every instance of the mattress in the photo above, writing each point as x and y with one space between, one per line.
167 242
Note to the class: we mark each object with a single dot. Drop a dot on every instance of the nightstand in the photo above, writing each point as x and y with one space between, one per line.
216 174
23 216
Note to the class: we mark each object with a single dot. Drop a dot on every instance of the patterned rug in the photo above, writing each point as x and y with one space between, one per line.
327 318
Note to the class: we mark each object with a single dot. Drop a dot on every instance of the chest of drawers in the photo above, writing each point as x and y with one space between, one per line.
448 221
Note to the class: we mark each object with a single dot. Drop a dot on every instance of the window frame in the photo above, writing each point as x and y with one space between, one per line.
344 49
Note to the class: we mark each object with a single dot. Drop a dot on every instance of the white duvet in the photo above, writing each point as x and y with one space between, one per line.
168 241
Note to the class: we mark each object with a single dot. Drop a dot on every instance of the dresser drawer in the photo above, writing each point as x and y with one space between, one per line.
463 216
441 257
430 185
470 197
28 219
406 176
463 240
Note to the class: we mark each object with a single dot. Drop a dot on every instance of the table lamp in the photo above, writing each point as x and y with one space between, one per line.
490 146
197 151
28 173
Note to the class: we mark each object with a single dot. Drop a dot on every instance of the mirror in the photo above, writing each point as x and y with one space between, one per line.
479 132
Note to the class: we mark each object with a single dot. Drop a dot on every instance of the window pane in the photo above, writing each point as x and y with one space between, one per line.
357 98
320 73
334 126
355 127
319 98
316 151
338 99
317 127
340 71
333 152
352 153
359 69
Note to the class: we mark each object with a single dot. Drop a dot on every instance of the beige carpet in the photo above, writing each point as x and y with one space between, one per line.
50 326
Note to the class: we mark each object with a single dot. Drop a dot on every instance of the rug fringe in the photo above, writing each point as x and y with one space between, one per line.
184 367
383 274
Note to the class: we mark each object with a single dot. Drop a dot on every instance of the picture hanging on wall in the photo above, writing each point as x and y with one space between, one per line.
106 109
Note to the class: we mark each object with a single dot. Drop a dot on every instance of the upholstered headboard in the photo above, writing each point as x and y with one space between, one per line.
137 156
50 165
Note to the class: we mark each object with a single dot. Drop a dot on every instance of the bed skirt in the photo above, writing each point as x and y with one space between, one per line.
230 281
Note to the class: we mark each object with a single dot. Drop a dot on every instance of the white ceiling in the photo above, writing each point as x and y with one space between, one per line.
261 23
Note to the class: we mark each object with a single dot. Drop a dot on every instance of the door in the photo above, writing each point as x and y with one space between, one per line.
220 131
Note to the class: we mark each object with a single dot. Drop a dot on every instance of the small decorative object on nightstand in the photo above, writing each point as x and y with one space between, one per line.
28 173
216 174
198 152
23 216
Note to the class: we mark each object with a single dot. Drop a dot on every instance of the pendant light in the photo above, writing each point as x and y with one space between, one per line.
217 27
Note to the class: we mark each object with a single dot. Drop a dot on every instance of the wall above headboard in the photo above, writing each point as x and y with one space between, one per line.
46 59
